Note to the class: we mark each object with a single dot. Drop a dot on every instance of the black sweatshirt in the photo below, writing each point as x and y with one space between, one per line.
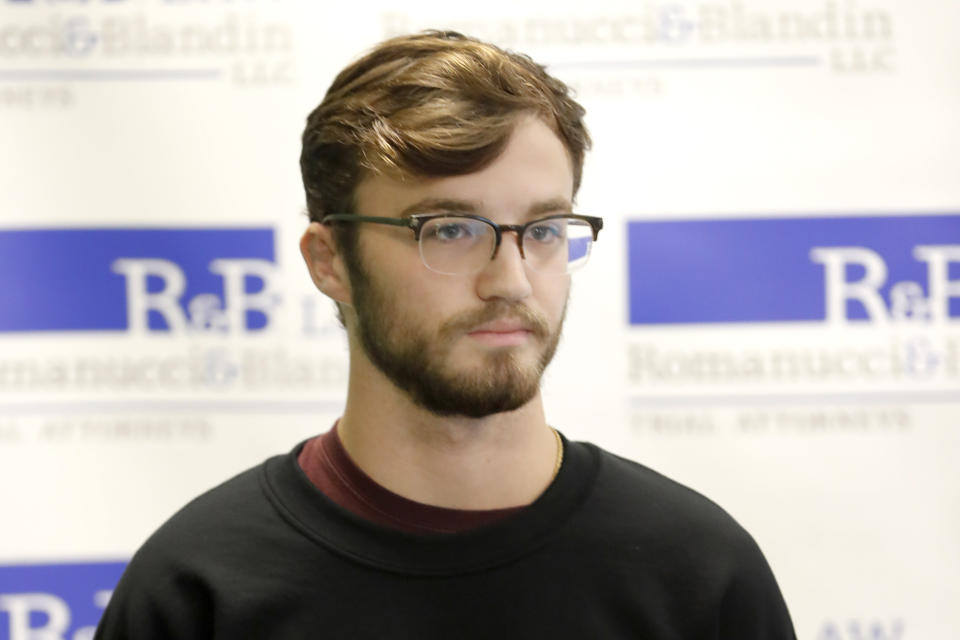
611 549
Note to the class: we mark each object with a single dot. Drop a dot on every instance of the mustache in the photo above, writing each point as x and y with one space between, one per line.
497 310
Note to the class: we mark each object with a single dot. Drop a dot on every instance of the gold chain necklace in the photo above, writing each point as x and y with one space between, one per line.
559 462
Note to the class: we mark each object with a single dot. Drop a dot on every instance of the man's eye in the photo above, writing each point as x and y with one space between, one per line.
546 232
449 231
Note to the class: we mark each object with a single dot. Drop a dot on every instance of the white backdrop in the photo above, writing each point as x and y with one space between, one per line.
138 130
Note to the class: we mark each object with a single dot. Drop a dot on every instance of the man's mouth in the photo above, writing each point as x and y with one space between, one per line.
502 333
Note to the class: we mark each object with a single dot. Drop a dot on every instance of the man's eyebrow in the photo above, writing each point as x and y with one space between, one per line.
439 205
450 205
553 205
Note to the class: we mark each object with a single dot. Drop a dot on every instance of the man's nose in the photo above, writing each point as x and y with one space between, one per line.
505 276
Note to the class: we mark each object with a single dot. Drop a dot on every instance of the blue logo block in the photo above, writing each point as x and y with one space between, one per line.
868 269
55 600
140 280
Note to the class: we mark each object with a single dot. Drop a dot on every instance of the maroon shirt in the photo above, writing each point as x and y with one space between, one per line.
327 464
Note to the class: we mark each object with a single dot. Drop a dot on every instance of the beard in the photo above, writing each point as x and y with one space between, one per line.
419 364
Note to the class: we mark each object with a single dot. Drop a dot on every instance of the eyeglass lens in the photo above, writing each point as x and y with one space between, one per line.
455 245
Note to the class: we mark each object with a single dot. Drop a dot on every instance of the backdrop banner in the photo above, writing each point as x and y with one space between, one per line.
771 315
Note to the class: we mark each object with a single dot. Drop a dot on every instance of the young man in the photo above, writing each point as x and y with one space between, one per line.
440 174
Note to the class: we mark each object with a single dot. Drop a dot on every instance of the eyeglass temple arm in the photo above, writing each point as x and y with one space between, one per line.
349 217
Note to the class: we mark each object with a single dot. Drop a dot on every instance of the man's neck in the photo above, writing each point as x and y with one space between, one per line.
503 460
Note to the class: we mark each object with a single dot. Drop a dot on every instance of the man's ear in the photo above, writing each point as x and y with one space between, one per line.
325 262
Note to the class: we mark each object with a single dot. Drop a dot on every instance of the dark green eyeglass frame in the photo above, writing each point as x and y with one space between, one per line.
416 222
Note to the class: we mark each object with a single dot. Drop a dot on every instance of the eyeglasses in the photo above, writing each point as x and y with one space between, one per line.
461 244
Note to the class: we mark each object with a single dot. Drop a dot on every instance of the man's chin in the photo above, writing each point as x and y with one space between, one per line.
471 406
498 387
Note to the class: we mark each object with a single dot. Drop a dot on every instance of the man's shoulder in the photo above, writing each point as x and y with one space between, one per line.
221 521
646 524
183 572
637 497
657 525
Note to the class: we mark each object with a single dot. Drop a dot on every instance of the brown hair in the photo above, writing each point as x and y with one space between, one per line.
431 104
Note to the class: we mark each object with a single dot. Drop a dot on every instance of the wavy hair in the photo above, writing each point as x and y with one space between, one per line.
432 104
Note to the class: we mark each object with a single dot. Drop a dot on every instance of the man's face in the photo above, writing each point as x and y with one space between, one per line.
475 344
